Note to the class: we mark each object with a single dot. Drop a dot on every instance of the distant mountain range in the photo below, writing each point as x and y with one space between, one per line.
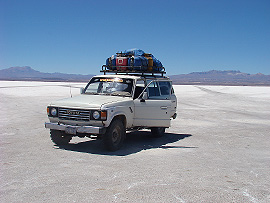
214 77
26 73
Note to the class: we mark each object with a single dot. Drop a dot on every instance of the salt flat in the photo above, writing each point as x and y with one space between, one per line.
217 150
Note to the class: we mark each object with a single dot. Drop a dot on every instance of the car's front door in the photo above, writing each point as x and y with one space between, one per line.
155 111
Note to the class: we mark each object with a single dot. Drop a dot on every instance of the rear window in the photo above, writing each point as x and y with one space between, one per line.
165 87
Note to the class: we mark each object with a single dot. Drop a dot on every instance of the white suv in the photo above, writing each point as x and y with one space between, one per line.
110 105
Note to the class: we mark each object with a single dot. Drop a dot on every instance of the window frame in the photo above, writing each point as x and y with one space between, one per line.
160 97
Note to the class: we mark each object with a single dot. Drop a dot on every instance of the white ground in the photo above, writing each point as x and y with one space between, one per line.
217 150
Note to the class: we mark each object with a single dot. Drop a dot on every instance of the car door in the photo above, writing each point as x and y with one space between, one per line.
153 111
167 92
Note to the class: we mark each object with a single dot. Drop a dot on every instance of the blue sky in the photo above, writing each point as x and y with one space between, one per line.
76 36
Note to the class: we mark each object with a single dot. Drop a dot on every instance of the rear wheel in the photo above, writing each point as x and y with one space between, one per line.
157 131
115 135
60 138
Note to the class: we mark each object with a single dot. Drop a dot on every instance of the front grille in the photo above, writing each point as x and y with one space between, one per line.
74 114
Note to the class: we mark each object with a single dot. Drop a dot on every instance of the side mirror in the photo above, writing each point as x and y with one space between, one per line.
81 90
144 97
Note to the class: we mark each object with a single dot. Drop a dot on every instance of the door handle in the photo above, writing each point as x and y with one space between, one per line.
164 107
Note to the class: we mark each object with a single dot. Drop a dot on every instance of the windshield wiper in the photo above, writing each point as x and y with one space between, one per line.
124 94
105 93
94 93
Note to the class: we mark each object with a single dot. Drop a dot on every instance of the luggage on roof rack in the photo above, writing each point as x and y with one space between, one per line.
134 52
149 57
121 63
133 60
111 61
138 61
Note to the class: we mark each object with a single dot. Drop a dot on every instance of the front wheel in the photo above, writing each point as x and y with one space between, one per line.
115 135
157 131
60 138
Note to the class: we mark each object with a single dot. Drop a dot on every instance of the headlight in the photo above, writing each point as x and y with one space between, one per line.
53 112
96 115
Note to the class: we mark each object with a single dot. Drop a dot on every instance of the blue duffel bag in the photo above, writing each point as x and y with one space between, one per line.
138 62
157 65
134 52
111 61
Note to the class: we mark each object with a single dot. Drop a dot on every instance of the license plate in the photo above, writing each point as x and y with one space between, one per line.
71 130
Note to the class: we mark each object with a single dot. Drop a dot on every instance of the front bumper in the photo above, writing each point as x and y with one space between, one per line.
73 130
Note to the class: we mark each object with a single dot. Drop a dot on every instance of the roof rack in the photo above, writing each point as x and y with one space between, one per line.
132 70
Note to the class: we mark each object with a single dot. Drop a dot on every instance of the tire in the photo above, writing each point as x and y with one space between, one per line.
115 135
60 138
157 131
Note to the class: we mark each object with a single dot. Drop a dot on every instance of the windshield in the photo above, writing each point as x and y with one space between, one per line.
110 86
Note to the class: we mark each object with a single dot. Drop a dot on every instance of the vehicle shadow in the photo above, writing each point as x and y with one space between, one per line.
135 142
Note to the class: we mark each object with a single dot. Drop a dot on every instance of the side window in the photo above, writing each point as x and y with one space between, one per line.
153 90
139 88
165 88
172 91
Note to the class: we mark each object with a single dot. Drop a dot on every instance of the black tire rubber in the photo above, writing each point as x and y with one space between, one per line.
158 131
60 138
115 135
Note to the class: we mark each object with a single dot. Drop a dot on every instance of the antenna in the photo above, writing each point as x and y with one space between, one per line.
70 90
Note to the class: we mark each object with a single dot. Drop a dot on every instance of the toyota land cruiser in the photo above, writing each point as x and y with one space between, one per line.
110 105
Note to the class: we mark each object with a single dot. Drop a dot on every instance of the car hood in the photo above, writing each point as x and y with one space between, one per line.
88 101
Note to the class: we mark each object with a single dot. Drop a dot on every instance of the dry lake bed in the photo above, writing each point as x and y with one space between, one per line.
217 150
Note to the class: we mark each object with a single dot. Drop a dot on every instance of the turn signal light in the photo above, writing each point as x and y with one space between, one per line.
103 115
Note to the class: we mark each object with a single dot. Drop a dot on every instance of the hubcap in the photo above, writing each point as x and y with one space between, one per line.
115 135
